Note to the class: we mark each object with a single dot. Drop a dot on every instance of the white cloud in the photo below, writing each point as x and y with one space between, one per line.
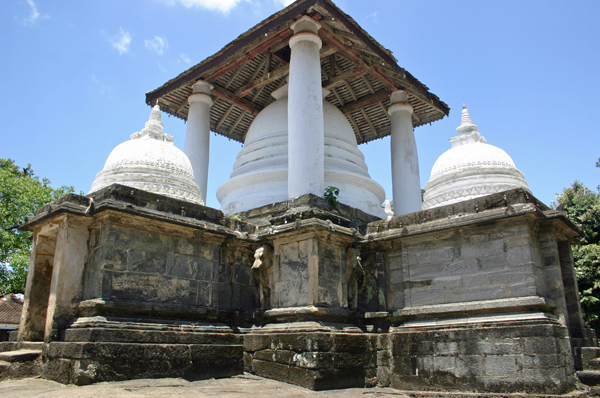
373 17
103 88
185 58
285 3
223 6
121 41
158 44
34 16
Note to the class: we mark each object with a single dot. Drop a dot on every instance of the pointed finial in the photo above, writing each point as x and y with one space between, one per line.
155 114
465 118
467 131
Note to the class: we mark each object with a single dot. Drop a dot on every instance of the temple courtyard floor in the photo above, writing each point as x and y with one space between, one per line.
238 386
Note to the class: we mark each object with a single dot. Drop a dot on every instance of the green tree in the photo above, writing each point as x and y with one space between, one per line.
583 207
21 194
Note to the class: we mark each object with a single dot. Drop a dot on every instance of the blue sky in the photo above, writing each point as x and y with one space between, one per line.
75 73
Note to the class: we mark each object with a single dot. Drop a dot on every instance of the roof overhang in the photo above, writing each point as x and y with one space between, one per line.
357 70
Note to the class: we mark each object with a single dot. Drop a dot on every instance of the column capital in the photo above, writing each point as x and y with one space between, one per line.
305 24
200 97
202 86
400 106
399 102
306 36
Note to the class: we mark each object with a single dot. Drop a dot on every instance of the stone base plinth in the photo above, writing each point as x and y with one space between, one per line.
317 358
524 356
143 350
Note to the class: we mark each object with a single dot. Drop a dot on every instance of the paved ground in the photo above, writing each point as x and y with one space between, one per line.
235 387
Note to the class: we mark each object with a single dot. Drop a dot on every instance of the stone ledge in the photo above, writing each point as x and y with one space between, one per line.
306 310
518 303
145 204
90 308
502 205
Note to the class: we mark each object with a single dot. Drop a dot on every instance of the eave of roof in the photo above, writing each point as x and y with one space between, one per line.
359 72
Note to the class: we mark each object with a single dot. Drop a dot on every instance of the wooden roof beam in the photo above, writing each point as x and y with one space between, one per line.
369 122
237 121
224 117
264 45
366 101
327 50
270 77
232 98
339 79
337 43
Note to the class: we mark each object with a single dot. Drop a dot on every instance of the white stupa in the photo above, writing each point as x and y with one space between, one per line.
471 168
260 173
151 162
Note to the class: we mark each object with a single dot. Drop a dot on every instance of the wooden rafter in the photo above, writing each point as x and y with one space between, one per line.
334 41
340 79
231 97
269 78
251 53
369 122
235 75
349 88
366 101
224 117
237 121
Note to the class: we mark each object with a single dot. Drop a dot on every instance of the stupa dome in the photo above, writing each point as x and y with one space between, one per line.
260 173
151 162
471 168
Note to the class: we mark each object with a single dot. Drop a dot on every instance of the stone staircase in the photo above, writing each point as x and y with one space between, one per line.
590 363
20 360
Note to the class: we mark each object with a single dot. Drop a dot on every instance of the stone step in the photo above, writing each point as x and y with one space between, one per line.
20 355
31 345
589 358
151 336
589 377
594 364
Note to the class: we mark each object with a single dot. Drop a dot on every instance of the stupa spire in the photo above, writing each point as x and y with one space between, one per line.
466 124
465 118
154 127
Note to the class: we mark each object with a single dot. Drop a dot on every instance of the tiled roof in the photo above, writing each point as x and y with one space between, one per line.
11 307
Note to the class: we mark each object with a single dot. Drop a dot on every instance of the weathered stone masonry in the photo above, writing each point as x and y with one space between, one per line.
479 295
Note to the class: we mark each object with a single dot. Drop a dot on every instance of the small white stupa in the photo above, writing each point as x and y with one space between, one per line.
150 161
471 168
260 173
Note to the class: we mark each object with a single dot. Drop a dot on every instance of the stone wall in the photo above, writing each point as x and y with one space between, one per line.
530 356
494 261
156 263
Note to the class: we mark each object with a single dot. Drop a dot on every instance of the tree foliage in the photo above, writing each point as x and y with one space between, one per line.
583 206
21 194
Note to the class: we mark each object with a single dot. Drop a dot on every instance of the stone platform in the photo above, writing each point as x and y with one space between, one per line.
478 296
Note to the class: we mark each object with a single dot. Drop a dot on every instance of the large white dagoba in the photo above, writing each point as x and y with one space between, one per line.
471 168
260 173
150 161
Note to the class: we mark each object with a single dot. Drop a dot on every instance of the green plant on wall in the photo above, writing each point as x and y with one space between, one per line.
331 195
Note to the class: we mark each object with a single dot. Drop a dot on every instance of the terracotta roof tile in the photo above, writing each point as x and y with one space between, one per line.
11 307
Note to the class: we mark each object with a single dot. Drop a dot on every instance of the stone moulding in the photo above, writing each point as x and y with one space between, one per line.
477 296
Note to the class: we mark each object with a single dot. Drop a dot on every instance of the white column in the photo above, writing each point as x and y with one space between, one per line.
306 137
406 185
197 134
